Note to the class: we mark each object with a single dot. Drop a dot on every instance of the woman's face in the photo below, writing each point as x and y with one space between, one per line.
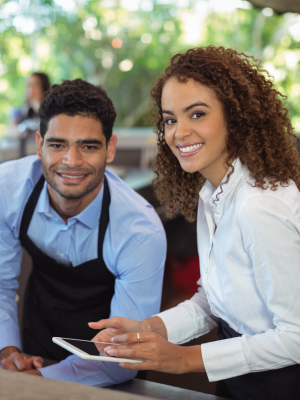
34 90
195 128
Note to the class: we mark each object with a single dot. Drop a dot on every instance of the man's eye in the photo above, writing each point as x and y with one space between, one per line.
90 147
55 146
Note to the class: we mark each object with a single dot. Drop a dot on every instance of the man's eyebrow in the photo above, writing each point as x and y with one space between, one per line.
56 140
83 141
89 141
198 103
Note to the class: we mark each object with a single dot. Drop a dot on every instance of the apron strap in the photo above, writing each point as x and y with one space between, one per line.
104 219
30 207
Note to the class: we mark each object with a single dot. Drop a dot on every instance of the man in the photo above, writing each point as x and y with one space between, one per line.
98 248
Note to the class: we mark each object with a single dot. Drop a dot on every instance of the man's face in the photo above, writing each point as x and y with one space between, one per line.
74 155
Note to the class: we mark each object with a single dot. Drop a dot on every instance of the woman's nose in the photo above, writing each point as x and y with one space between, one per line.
182 130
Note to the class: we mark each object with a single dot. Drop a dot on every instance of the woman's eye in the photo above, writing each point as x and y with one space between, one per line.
169 121
198 115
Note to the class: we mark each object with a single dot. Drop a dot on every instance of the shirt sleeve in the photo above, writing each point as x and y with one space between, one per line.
189 319
138 288
271 238
10 262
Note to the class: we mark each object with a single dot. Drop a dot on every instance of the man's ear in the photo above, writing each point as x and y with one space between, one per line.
39 143
111 148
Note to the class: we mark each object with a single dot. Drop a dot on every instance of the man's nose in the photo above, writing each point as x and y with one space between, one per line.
72 158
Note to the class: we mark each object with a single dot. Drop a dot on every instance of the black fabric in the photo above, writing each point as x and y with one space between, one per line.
278 384
60 300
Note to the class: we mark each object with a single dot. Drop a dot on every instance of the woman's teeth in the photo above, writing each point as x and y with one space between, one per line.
72 177
190 148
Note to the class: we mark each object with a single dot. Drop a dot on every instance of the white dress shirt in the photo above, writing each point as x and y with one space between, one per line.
249 250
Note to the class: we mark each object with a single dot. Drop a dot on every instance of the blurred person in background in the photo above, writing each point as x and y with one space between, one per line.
226 145
37 84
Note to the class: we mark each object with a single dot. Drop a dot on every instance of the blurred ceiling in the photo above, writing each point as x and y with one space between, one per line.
280 6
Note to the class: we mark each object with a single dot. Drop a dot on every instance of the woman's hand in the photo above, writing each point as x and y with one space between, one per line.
158 353
114 326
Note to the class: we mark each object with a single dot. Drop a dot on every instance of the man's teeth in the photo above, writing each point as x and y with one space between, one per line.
73 177
190 148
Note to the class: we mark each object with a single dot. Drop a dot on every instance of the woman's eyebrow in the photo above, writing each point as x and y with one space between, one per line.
186 109
198 103
167 112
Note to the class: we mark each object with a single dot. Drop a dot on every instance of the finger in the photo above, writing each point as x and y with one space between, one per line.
133 338
135 353
137 367
105 334
21 361
38 362
105 323
8 365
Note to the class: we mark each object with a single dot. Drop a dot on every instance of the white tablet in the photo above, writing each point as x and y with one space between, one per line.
88 350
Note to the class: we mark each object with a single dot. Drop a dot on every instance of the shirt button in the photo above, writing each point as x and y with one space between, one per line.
61 255
217 212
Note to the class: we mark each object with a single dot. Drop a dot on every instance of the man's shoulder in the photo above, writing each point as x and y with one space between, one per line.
130 210
18 172
17 179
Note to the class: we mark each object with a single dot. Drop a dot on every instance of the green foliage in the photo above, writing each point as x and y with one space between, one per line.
102 40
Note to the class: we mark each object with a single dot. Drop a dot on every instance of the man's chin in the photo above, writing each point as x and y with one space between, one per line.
71 195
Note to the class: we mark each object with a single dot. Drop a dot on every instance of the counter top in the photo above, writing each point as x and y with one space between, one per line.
18 386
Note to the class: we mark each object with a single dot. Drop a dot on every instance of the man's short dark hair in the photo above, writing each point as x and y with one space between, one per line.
78 97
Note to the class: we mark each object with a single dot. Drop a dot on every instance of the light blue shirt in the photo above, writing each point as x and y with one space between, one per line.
134 251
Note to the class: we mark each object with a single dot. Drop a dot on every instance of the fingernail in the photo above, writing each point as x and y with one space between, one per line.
112 339
110 352
40 365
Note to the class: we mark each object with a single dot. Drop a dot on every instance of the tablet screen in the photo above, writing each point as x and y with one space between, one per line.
88 347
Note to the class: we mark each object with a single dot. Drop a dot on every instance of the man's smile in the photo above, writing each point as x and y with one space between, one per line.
72 177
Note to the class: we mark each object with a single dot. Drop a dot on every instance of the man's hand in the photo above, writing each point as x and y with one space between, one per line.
13 360
33 372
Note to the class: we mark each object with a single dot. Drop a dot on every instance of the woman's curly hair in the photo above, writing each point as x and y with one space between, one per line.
259 130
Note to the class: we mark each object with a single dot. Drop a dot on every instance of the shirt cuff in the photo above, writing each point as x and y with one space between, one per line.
224 359
59 371
88 372
10 335
185 322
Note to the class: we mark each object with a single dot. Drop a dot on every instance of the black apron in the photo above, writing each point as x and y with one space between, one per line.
60 300
276 384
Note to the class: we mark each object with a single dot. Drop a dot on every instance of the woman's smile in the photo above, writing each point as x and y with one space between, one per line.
189 149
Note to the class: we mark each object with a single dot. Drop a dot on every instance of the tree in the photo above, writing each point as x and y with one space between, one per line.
123 45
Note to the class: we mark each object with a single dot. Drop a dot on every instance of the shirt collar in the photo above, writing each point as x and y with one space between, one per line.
218 196
89 216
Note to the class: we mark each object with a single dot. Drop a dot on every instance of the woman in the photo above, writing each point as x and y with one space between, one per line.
222 130
38 83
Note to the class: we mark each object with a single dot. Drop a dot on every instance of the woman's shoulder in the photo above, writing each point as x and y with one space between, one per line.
284 197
